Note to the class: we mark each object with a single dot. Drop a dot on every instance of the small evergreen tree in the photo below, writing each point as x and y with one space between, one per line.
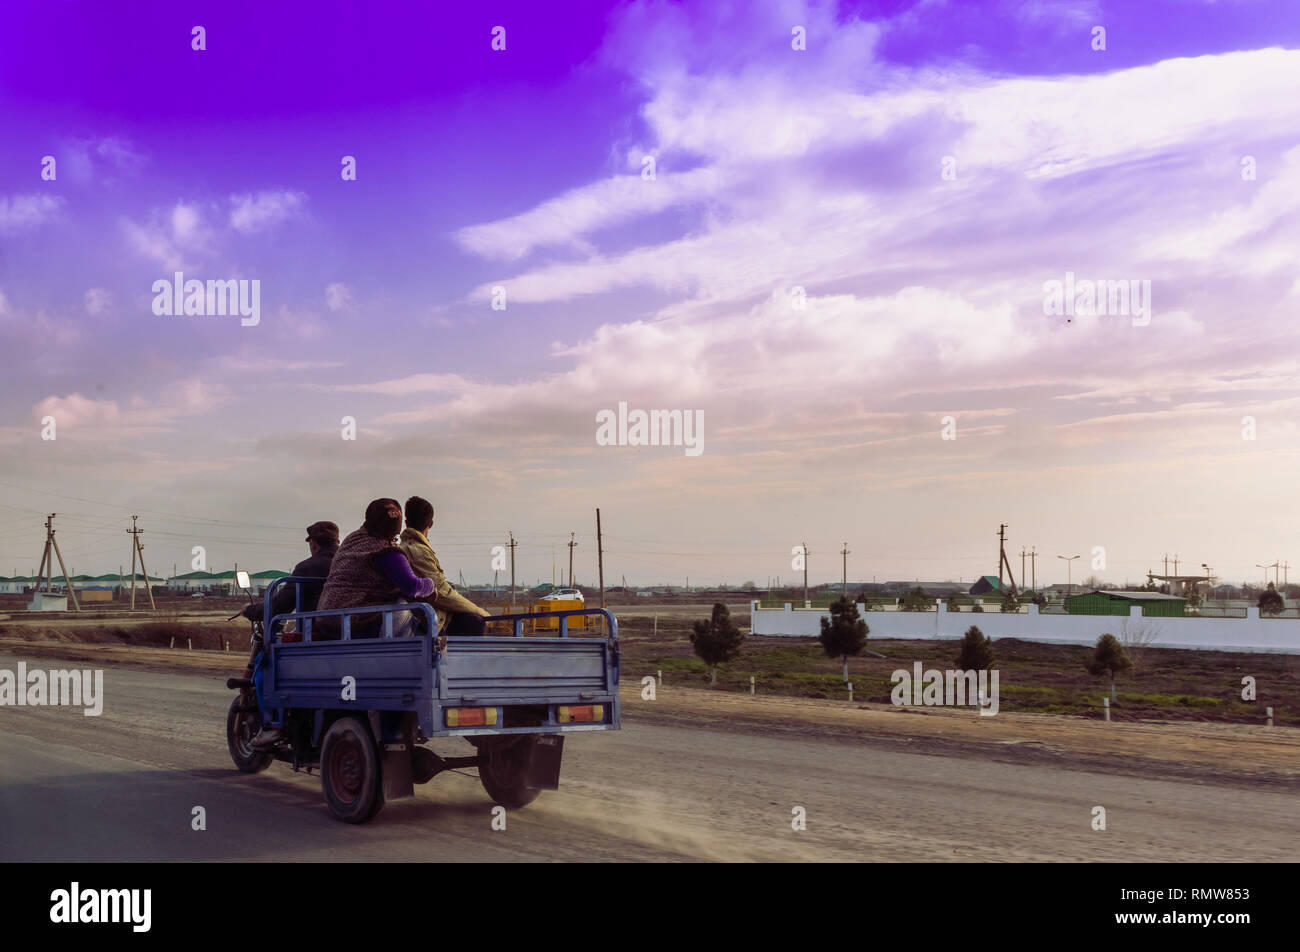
1270 601
844 633
1010 603
976 653
716 640
1109 657
917 601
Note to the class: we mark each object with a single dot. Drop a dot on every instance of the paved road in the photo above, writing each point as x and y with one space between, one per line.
122 787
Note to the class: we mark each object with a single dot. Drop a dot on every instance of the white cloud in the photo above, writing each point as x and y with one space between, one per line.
27 211
1011 138
338 296
416 383
120 153
98 300
77 410
255 213
171 237
186 223
152 243
84 161
835 345
185 397
581 211
296 325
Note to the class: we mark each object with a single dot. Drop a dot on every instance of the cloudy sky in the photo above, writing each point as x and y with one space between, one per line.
840 246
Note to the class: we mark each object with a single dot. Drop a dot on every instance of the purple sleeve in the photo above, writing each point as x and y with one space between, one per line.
398 569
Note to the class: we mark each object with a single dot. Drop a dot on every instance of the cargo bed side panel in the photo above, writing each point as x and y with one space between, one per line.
392 674
524 670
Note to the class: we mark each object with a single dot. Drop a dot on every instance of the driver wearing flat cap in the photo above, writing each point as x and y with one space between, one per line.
323 541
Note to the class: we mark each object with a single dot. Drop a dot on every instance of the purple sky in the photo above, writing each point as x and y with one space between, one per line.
776 169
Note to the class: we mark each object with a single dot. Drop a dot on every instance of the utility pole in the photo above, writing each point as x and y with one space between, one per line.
844 553
48 556
1003 560
1023 553
138 549
572 545
1166 563
600 565
804 547
512 569
1002 532
1284 579
1033 565
1175 563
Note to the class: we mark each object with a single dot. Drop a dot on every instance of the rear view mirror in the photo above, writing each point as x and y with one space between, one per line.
241 579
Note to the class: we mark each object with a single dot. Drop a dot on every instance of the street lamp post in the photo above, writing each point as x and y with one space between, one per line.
1069 574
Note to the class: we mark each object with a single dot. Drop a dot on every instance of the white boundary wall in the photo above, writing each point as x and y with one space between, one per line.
1252 633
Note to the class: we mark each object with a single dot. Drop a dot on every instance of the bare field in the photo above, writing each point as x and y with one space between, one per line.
1166 684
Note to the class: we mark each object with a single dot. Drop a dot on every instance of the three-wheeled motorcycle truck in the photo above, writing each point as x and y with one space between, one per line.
360 709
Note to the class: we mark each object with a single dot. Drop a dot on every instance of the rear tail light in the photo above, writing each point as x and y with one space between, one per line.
471 716
586 713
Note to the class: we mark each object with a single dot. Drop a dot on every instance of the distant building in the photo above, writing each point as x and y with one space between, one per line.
205 582
988 585
1099 602
1181 584
261 581
931 589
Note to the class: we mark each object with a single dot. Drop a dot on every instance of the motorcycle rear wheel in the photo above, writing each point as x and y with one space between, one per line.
241 727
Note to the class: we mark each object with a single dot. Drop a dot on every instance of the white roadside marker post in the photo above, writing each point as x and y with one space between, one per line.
850 692
173 644
751 684
1269 712
189 643
1106 704
661 678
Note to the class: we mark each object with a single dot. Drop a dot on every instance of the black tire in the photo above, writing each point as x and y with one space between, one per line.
503 775
350 771
241 728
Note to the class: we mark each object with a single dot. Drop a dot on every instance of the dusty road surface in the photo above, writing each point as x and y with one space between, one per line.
693 775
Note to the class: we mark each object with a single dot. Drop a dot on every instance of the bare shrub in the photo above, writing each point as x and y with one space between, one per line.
1136 635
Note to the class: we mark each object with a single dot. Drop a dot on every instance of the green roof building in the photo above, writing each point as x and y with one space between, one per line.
1098 602
988 585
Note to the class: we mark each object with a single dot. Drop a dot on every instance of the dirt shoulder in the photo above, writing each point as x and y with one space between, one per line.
1201 752
1232 754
